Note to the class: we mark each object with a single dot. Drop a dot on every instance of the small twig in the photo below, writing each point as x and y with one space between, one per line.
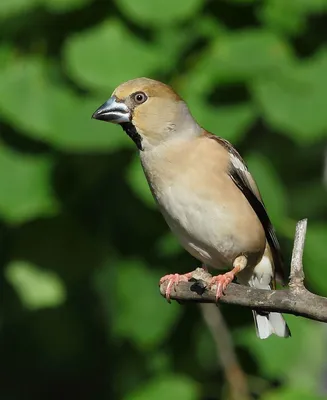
297 274
225 352
294 301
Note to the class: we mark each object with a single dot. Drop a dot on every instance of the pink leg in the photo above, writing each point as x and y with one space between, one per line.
173 281
222 281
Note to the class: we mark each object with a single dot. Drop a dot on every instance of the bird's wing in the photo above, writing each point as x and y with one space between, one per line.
242 178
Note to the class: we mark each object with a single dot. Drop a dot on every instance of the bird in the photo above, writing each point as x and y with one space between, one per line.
204 191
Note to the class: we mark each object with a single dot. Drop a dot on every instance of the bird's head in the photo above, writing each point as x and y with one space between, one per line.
150 112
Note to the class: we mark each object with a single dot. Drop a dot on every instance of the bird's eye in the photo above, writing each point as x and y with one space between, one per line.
140 97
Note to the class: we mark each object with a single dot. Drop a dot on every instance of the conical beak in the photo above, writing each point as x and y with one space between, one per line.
113 111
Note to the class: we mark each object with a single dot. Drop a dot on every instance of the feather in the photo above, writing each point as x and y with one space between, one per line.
242 178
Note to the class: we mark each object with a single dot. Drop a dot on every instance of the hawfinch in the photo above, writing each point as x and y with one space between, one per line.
203 189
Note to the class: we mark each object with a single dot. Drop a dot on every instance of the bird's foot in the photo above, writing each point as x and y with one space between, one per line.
173 281
221 282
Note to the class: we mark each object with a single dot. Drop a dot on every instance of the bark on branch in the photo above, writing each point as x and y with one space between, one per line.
296 300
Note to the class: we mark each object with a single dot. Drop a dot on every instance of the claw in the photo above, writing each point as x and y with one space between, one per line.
221 282
173 281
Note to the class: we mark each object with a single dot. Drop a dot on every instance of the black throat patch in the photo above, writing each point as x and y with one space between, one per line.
131 131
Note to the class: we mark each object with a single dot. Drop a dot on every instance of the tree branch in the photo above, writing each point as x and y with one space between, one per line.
296 300
235 377
297 274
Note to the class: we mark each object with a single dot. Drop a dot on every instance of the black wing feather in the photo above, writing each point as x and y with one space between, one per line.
261 212
241 181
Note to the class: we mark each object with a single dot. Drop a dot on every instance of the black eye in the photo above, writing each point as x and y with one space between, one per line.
140 97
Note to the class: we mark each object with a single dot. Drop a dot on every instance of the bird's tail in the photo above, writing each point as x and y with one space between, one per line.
268 323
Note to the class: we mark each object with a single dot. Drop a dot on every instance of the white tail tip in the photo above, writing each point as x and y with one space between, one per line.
270 323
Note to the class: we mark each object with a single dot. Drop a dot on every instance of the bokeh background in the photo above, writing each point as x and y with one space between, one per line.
82 245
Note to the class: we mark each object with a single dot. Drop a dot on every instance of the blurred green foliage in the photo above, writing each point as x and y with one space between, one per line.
82 245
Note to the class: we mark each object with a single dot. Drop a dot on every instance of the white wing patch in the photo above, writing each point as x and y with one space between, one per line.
238 163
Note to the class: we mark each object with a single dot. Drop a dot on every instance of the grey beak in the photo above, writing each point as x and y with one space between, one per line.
113 111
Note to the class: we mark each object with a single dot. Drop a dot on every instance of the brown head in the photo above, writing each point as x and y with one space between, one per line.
149 111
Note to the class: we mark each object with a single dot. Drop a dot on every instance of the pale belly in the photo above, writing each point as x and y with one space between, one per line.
208 230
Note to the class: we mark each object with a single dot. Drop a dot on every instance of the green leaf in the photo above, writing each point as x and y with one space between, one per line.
292 394
298 368
35 287
107 55
138 312
6 55
293 100
25 88
50 112
315 256
270 186
243 1
9 8
73 129
65 5
171 43
231 122
26 190
290 16
166 387
208 26
245 54
159 12
138 183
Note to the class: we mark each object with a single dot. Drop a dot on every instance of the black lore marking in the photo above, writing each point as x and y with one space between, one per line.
131 131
